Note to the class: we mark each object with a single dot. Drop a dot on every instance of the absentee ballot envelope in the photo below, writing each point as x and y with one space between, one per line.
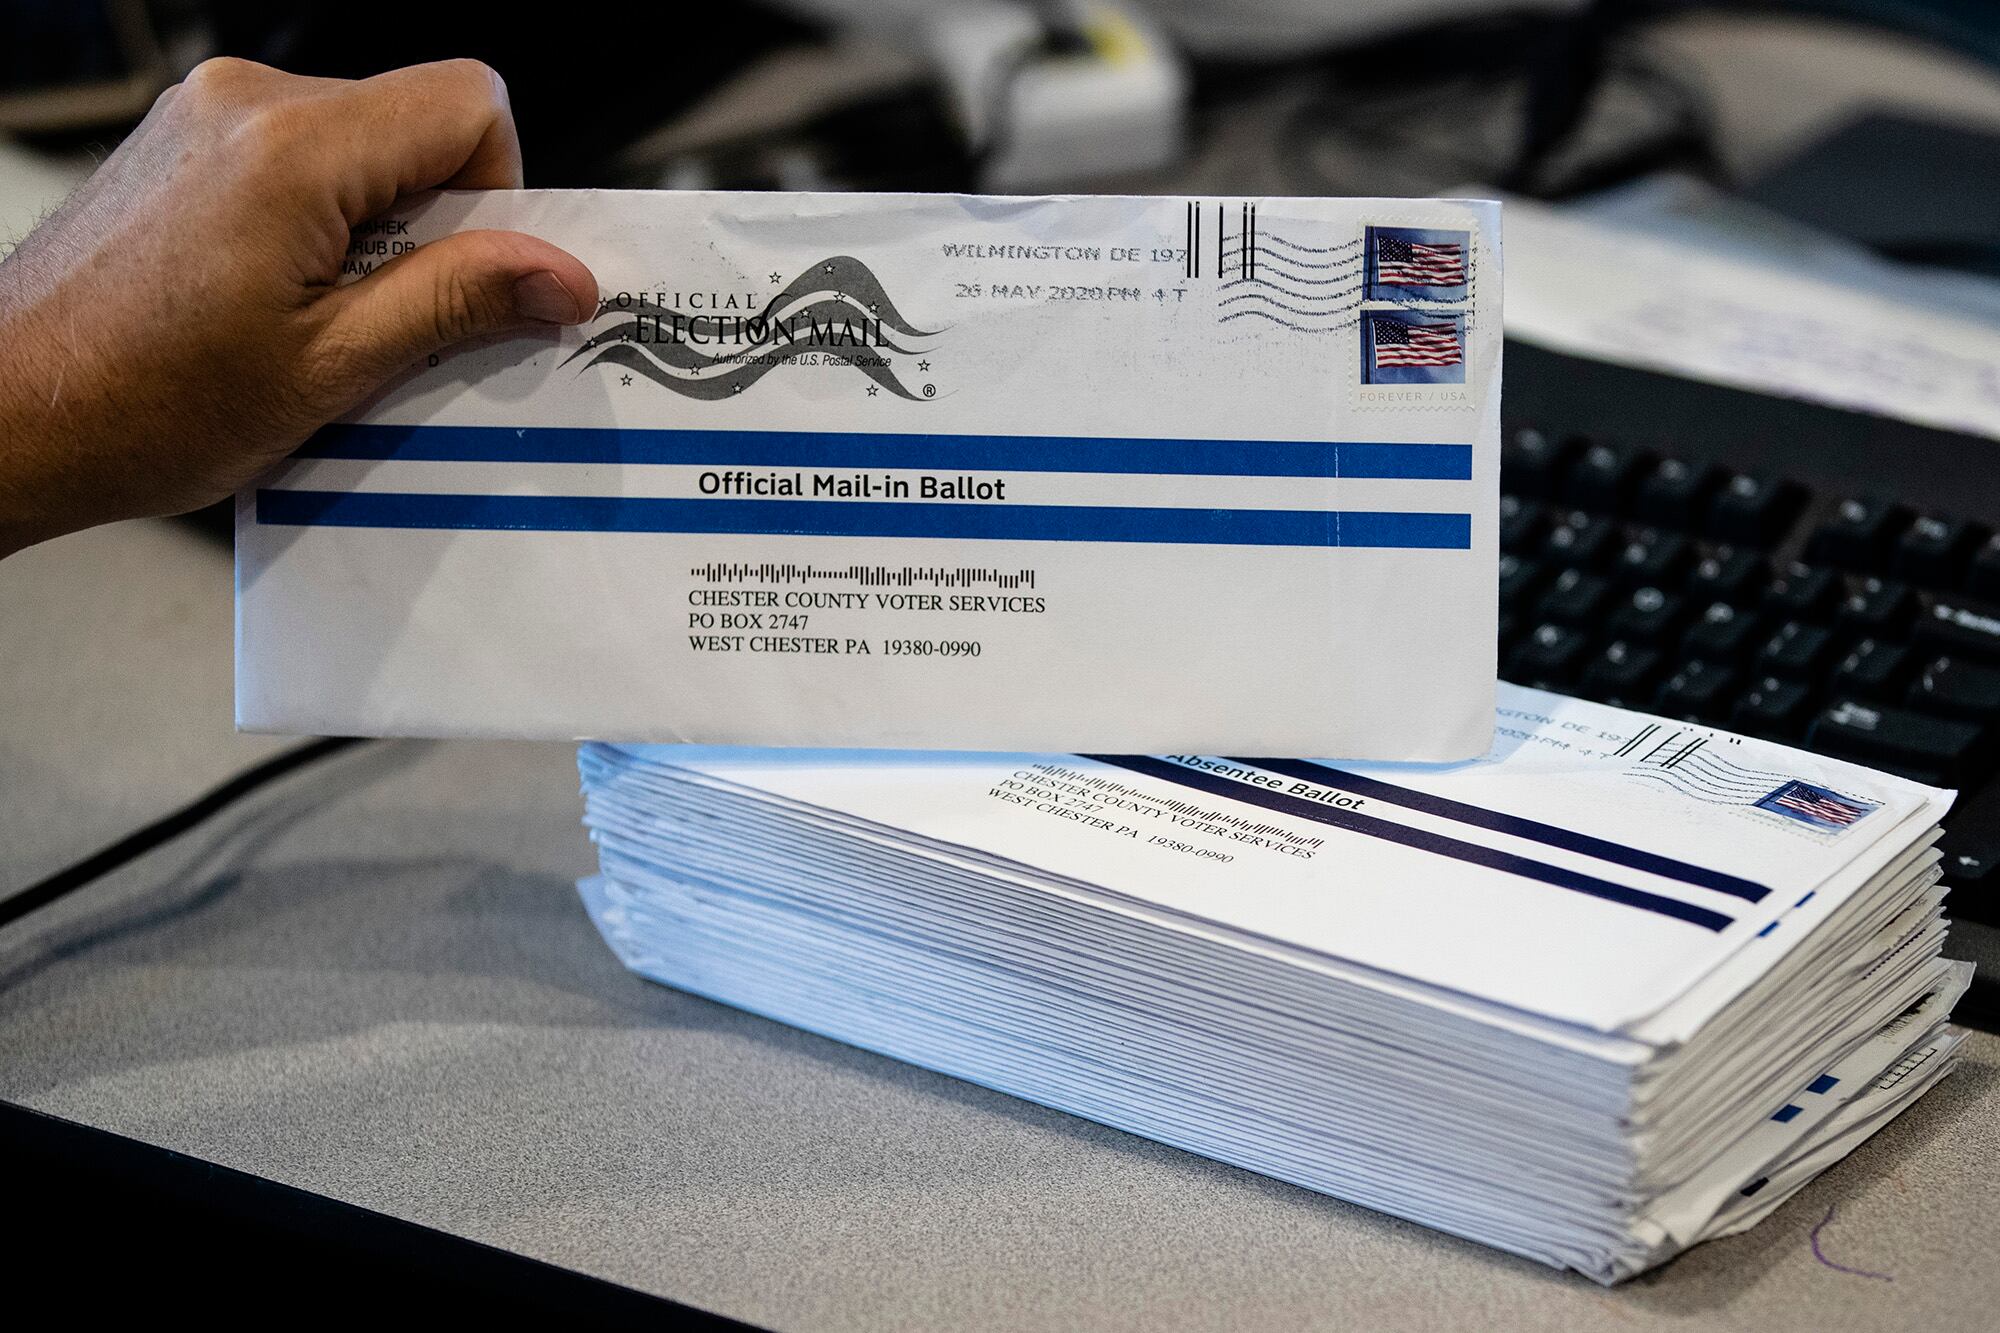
1106 473
1617 987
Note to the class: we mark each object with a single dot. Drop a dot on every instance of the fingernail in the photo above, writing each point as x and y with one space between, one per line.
542 296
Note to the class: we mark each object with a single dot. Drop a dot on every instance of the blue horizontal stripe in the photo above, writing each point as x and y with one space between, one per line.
1422 840
843 518
838 449
1551 835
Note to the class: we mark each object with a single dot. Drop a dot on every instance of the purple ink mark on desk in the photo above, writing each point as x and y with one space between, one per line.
1820 1254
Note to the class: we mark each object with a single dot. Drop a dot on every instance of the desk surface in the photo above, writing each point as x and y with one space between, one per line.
377 984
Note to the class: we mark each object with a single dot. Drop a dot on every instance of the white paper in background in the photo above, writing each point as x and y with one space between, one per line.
1737 297
1130 474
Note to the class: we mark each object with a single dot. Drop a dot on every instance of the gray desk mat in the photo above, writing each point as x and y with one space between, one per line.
378 984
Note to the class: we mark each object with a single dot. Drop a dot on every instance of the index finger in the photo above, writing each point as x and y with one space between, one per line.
446 124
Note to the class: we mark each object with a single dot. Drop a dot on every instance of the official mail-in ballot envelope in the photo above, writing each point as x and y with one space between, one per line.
1084 473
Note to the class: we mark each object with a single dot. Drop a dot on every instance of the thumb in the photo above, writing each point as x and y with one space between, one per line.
451 289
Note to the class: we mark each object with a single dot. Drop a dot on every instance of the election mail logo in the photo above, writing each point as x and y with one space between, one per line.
1412 347
702 345
1816 807
1416 263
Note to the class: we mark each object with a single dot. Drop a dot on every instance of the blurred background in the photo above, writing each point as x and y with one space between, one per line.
1780 158
1850 144
1829 111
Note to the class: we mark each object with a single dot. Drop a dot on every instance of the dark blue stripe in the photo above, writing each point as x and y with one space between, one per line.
835 449
845 518
1420 839
1533 830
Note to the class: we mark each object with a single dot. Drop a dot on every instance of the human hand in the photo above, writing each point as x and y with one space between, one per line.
174 328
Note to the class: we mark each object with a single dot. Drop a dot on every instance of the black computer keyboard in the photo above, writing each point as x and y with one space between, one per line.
1822 578
1651 582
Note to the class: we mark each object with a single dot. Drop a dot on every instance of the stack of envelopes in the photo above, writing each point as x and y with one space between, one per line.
1619 987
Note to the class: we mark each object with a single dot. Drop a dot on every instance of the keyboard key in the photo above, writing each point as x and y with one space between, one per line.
1607 474
1675 492
1534 463
1647 614
1575 598
1930 749
1547 658
1519 579
1796 651
1953 629
1622 675
1658 558
1858 534
1579 539
1967 860
1753 511
1699 692
1772 708
1934 551
1983 578
1970 865
1723 633
1803 592
1878 607
1872 670
1522 523
1957 688
1728 575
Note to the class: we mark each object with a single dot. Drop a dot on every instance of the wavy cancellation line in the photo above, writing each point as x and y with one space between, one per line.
1740 771
1719 770
1296 310
1255 312
1245 288
1264 256
1314 249
1298 278
1677 783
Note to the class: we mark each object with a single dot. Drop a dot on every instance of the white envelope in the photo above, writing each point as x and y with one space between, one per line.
1599 995
1107 473
1600 868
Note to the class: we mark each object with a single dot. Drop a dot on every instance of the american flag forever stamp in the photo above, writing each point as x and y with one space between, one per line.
1816 807
1406 346
1416 263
